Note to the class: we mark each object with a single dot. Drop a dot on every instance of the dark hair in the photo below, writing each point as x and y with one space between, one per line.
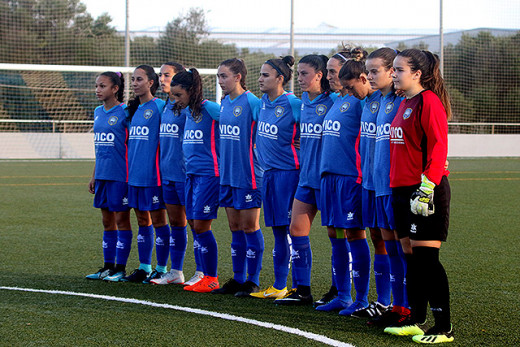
342 57
190 81
387 55
319 63
117 79
354 67
150 73
176 66
237 66
282 67
428 64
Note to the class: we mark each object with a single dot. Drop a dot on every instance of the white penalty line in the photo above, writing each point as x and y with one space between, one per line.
311 336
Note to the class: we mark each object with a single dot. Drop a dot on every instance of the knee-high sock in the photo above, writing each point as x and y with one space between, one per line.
302 259
208 253
382 277
396 273
109 246
124 245
361 269
281 256
145 247
418 300
162 246
340 265
238 255
405 271
254 255
178 244
196 252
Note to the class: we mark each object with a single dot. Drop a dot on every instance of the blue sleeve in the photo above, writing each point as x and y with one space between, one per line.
296 105
160 104
333 97
213 109
254 103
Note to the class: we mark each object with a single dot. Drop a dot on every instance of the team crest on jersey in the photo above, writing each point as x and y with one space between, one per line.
278 111
389 107
374 106
344 107
407 113
237 111
112 120
321 110
148 114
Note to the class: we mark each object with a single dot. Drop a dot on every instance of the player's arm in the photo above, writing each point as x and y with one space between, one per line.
92 183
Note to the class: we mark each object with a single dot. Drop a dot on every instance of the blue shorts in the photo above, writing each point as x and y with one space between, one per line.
308 195
239 198
340 202
174 193
385 212
145 198
368 201
112 195
278 191
202 197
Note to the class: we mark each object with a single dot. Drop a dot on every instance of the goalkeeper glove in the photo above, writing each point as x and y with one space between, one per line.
421 201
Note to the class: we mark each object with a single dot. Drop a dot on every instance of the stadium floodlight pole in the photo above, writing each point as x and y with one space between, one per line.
291 40
441 40
127 51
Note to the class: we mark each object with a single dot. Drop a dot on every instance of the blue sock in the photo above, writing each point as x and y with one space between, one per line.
238 255
196 252
302 259
109 246
382 276
402 256
281 255
124 245
254 255
178 244
145 245
361 269
332 274
396 272
294 275
340 264
208 253
162 246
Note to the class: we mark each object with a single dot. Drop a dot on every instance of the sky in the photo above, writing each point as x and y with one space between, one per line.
244 15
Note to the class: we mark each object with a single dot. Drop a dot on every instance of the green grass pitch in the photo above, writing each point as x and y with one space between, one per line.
50 238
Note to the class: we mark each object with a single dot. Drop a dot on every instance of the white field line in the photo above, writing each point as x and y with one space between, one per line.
311 336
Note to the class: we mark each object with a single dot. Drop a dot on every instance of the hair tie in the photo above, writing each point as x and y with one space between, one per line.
118 74
276 68
189 71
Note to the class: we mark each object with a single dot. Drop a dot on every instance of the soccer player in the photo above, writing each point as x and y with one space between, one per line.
421 192
144 179
240 177
109 180
278 133
316 102
201 150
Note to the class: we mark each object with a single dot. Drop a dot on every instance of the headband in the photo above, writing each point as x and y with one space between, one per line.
342 56
276 68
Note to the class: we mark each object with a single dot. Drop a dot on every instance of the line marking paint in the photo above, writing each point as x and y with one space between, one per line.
311 336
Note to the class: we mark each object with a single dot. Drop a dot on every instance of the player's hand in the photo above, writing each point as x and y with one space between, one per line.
91 186
421 201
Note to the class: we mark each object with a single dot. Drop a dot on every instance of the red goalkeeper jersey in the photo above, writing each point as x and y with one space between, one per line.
418 141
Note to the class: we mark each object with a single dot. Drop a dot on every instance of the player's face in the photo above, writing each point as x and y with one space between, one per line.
333 68
308 79
227 79
105 89
378 76
140 82
403 76
357 87
165 77
180 95
269 79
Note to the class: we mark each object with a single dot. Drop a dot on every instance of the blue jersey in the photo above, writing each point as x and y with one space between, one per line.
239 165
277 131
367 141
340 138
110 143
171 133
201 141
143 145
387 111
311 125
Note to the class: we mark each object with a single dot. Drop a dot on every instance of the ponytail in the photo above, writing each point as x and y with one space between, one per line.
191 82
237 66
319 64
135 102
117 79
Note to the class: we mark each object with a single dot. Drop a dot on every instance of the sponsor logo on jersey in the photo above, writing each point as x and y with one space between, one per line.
167 128
407 113
227 130
321 110
309 129
350 216
249 198
396 135
112 120
104 137
331 127
368 129
374 106
413 228
148 114
155 199
138 130
389 107
159 241
207 209
278 111
383 130
344 107
268 130
237 111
